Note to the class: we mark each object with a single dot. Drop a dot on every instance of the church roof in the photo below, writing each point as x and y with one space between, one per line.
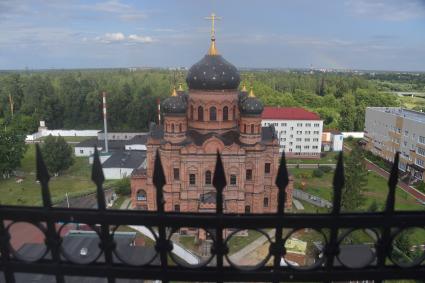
288 113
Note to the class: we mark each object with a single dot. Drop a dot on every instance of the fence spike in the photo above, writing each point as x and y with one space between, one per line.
282 181
159 181
392 184
97 173
338 184
43 177
219 182
98 178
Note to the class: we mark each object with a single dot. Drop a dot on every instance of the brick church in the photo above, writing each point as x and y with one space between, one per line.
212 115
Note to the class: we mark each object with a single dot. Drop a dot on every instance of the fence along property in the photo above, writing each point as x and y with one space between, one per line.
110 264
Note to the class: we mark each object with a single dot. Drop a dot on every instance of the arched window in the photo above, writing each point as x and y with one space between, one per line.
200 113
191 112
180 128
252 128
225 113
141 195
244 128
213 114
234 113
172 128
208 177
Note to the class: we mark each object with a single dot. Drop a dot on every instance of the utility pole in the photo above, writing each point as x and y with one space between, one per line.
105 123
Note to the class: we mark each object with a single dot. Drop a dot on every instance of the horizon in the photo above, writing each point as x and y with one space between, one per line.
341 35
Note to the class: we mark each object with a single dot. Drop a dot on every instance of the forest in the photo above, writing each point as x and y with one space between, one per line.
71 99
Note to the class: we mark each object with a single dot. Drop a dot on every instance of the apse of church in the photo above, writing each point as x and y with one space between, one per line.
212 115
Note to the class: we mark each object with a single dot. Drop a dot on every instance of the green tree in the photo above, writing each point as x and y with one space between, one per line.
57 154
12 149
355 181
374 207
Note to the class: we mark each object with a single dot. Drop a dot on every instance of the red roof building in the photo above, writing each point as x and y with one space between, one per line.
288 113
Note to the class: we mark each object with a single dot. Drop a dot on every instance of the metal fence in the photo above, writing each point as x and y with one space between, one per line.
165 267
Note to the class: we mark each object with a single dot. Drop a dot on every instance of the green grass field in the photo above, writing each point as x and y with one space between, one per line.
74 181
376 189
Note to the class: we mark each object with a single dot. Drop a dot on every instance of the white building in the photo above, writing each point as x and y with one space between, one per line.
332 140
299 131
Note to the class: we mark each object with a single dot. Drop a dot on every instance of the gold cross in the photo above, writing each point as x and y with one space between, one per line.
213 18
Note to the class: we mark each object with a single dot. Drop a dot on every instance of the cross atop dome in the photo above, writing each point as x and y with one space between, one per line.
213 50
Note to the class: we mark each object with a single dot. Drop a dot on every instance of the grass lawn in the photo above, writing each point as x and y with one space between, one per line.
75 181
327 158
118 202
238 242
376 189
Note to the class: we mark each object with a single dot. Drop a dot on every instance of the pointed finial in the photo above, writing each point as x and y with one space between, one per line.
174 93
282 181
251 92
213 50
244 87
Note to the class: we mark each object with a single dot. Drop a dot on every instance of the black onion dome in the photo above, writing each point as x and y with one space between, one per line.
213 72
251 106
174 105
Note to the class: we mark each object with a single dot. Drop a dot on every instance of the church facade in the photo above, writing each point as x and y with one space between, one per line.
214 114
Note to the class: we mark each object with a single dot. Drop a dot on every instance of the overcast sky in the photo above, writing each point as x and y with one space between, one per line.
355 34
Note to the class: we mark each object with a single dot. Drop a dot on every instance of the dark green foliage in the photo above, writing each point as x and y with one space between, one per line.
318 173
57 154
123 187
355 181
12 149
326 169
421 187
374 207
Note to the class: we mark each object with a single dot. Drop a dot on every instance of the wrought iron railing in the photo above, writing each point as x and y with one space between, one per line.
111 264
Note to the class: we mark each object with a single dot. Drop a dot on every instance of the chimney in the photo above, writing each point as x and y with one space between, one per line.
105 123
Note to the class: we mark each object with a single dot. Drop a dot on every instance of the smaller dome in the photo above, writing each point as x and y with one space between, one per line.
174 104
250 105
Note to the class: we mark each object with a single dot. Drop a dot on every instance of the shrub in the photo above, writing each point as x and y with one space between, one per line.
318 173
326 169
123 187
421 187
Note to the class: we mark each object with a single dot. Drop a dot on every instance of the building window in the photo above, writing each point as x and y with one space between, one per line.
234 113
176 173
316 124
225 113
232 179
191 112
252 128
177 207
180 128
420 162
421 151
422 139
267 168
208 177
141 195
249 174
200 113
172 128
213 114
244 128
192 179
266 202
247 209
81 151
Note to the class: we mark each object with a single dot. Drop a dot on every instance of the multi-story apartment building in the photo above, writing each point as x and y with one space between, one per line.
392 129
299 131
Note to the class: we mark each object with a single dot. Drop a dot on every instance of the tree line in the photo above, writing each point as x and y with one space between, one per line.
72 99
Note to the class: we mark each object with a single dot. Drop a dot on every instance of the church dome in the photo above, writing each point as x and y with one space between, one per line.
251 105
213 72
175 104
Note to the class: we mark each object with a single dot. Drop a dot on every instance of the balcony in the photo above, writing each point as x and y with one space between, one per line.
114 264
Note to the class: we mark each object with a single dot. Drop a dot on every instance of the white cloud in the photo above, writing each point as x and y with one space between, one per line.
140 38
121 37
389 10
